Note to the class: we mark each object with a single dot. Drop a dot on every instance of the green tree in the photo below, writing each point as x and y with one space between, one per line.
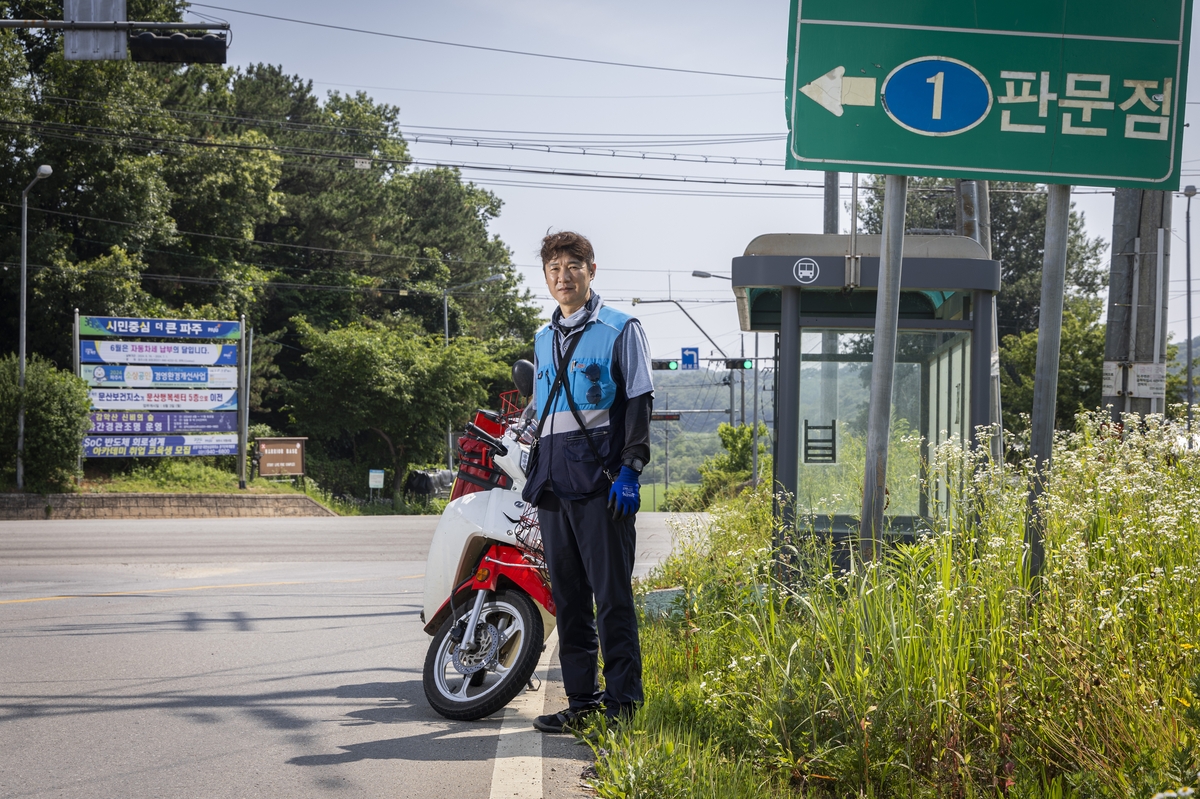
728 472
387 383
56 418
1018 214
1080 370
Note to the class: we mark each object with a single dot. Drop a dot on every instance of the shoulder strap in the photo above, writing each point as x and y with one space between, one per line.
588 437
558 378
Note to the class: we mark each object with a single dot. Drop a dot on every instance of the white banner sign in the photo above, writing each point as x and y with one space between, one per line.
163 399
201 377
158 352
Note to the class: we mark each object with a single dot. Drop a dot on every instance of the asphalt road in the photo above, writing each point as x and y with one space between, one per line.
239 657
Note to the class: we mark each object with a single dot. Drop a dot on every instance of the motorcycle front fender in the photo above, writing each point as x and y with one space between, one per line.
467 527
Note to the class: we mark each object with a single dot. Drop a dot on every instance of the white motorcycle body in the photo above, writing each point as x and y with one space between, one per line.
469 525
486 594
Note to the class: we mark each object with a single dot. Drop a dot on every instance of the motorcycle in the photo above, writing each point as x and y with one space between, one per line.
487 599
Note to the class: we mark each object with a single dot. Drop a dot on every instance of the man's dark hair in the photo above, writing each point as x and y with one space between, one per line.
570 243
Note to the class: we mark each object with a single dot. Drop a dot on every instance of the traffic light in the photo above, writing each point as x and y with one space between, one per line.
178 48
739 363
664 363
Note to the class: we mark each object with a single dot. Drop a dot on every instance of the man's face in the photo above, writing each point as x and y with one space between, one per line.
569 280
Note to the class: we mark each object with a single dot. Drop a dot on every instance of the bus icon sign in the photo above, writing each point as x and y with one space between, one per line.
805 271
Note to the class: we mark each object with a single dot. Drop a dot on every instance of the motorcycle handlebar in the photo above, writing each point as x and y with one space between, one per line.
487 438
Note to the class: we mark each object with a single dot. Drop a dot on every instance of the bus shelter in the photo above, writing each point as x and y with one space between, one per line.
822 304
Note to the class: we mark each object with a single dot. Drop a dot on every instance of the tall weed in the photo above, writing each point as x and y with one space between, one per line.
941 670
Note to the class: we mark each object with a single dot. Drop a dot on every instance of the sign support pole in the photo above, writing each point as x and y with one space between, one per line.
75 342
245 412
1045 380
243 384
883 365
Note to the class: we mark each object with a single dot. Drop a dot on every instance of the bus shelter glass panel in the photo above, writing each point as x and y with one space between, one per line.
930 402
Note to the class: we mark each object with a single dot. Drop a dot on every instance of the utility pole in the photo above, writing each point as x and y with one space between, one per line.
1139 271
666 448
44 171
742 384
732 404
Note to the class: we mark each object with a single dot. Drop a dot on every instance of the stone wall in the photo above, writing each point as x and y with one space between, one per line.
155 506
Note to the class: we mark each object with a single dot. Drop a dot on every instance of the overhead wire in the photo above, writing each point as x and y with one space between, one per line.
507 51
545 96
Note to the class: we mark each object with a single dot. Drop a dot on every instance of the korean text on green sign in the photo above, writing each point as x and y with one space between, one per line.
1087 92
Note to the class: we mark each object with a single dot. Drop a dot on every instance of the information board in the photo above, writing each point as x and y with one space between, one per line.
280 456
145 392
1087 92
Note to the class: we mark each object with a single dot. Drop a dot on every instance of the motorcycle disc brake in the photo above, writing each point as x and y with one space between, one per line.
484 656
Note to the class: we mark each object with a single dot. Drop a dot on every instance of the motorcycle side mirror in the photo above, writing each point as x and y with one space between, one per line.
522 375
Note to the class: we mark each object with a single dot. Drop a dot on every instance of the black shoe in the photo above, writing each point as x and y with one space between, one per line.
569 720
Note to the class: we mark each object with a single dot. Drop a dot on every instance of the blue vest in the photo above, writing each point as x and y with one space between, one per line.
566 464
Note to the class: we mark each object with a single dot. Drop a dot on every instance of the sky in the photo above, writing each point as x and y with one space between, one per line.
649 234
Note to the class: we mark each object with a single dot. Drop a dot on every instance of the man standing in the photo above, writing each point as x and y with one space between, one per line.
593 395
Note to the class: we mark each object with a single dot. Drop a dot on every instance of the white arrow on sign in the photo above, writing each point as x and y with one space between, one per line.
833 90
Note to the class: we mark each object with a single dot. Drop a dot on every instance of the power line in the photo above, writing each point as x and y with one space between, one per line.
59 130
569 137
565 145
490 49
545 96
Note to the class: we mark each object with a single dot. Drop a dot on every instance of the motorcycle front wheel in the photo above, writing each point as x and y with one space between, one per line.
465 686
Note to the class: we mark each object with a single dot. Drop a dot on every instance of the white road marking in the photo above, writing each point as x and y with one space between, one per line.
518 765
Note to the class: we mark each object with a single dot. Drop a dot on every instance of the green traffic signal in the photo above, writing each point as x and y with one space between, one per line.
739 363
664 363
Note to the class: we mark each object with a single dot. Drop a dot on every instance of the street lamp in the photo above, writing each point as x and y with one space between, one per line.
446 343
1189 192
702 273
43 171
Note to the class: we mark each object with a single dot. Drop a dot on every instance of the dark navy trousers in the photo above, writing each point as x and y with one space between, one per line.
590 557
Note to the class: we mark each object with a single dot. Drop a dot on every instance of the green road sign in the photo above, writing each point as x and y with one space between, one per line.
1087 92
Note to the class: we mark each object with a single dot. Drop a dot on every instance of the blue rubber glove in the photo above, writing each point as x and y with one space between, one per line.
624 498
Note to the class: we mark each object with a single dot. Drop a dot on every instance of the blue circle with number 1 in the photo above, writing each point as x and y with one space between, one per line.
936 96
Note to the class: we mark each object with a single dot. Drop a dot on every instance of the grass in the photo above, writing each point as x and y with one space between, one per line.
939 670
210 476
654 494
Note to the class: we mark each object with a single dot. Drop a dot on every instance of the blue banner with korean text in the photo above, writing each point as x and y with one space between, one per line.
162 422
158 446
165 399
158 328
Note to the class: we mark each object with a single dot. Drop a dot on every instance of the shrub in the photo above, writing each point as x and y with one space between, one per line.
56 419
